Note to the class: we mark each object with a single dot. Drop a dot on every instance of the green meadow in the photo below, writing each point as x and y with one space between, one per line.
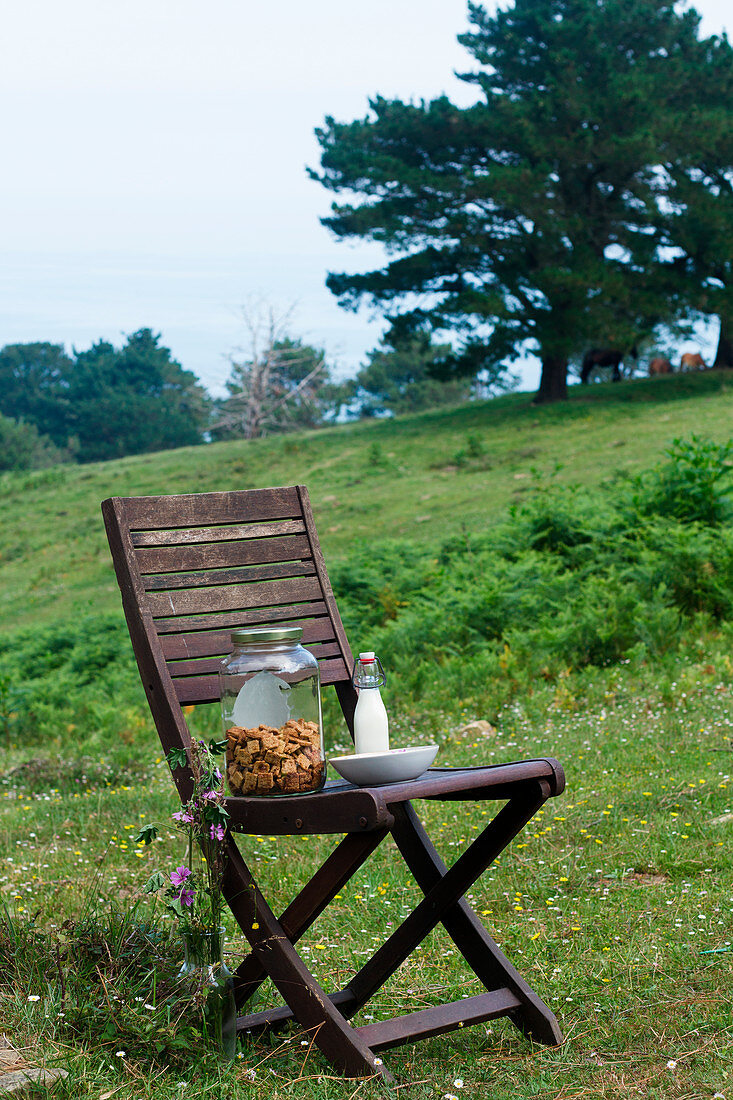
538 581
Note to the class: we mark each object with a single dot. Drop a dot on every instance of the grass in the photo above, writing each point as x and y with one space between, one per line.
616 903
396 479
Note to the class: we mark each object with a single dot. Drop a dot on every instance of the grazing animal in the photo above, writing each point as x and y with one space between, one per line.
692 361
659 365
604 357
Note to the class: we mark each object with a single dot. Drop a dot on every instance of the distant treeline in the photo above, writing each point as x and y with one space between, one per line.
108 402
91 405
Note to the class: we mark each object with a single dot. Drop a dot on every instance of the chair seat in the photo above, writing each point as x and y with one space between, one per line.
341 807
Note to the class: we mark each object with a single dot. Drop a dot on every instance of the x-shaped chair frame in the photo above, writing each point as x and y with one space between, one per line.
190 568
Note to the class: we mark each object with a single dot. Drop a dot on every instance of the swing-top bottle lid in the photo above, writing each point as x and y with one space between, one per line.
368 671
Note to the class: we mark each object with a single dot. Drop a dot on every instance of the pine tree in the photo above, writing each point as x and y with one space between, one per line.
538 216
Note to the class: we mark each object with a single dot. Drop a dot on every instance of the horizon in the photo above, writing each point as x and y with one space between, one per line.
158 166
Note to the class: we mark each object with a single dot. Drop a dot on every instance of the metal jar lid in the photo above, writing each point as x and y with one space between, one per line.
254 634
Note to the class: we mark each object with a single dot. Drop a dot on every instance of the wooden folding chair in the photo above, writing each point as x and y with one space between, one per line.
193 567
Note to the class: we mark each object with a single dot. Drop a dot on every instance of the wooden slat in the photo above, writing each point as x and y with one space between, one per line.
438 1019
200 600
181 647
192 690
333 671
206 578
208 665
181 536
253 551
189 509
250 616
205 689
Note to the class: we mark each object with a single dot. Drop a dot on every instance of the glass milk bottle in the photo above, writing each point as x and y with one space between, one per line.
371 724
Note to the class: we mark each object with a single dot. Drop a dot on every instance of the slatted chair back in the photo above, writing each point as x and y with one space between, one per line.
195 567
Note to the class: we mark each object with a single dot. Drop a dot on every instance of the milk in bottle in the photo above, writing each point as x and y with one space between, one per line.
371 724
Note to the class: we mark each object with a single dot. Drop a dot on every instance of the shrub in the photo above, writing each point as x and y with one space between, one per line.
69 683
23 448
693 486
573 578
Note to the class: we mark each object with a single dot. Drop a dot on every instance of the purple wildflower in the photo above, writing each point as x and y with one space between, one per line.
210 796
179 876
186 898
216 832
183 817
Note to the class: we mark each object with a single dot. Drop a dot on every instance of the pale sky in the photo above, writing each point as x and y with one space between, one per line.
155 155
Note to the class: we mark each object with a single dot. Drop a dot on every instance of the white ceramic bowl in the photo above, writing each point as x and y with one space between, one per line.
368 769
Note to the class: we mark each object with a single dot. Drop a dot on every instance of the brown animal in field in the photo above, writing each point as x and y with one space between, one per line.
659 365
604 357
692 361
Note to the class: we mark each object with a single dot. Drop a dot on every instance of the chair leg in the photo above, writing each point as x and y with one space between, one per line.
445 892
307 906
315 1012
462 924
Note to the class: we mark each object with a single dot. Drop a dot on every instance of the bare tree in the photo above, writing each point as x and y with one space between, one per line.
275 380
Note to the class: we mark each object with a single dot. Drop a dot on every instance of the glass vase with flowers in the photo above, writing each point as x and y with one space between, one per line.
192 892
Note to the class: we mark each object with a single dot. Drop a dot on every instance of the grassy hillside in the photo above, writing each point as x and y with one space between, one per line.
511 564
417 477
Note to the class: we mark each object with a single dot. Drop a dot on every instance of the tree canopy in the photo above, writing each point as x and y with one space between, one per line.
104 402
33 383
277 383
22 448
134 399
701 194
543 216
399 377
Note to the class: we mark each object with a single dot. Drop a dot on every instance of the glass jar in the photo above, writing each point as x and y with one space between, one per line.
271 710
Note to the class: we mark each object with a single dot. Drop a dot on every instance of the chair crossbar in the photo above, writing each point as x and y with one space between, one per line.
438 1019
408 1028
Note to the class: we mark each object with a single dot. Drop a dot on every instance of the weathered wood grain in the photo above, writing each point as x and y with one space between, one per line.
219 555
194 601
210 665
181 536
208 578
179 647
205 689
249 616
205 509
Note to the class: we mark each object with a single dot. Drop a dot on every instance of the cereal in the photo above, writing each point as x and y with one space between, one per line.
267 760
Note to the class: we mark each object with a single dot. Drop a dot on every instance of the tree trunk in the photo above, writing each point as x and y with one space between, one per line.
724 354
553 380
